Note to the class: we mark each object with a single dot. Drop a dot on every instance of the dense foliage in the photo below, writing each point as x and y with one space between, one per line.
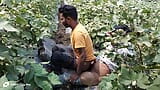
136 53
22 24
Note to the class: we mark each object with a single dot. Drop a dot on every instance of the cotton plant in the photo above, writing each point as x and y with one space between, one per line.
126 50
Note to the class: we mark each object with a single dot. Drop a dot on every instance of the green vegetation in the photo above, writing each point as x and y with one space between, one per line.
139 70
24 22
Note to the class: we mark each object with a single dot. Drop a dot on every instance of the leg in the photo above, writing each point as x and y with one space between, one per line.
101 69
93 77
89 78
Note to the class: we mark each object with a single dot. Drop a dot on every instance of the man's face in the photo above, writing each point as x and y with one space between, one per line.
64 20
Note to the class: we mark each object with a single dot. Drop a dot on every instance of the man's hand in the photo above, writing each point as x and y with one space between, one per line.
79 71
80 59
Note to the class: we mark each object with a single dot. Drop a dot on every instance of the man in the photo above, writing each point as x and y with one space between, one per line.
88 70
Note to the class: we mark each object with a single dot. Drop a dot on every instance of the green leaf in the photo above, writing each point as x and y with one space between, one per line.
38 69
126 39
5 84
127 76
148 44
124 78
12 73
3 79
23 52
133 75
2 24
28 76
78 1
27 35
12 76
10 28
20 20
42 83
154 87
7 2
156 81
100 34
105 86
20 69
143 81
110 77
157 58
93 35
159 51
32 85
54 79
3 48
19 87
146 11
125 73
125 82
108 86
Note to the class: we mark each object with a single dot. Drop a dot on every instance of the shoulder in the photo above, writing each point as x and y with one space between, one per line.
81 29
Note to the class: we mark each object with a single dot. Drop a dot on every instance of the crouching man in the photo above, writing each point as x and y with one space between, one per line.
89 70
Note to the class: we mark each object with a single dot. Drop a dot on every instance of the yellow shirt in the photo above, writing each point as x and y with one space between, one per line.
80 39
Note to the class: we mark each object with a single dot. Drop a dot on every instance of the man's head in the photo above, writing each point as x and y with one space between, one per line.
68 14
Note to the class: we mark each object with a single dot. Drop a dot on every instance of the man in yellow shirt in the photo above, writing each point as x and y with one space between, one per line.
83 48
87 68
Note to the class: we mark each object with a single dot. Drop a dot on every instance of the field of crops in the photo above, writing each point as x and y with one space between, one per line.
137 53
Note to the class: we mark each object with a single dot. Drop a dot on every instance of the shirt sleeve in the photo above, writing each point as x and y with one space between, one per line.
79 40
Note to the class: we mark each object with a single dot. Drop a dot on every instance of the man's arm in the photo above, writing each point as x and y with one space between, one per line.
80 59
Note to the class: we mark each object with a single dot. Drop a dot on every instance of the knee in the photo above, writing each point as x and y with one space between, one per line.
89 78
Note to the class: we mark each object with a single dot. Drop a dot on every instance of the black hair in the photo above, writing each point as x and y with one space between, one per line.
122 26
69 11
